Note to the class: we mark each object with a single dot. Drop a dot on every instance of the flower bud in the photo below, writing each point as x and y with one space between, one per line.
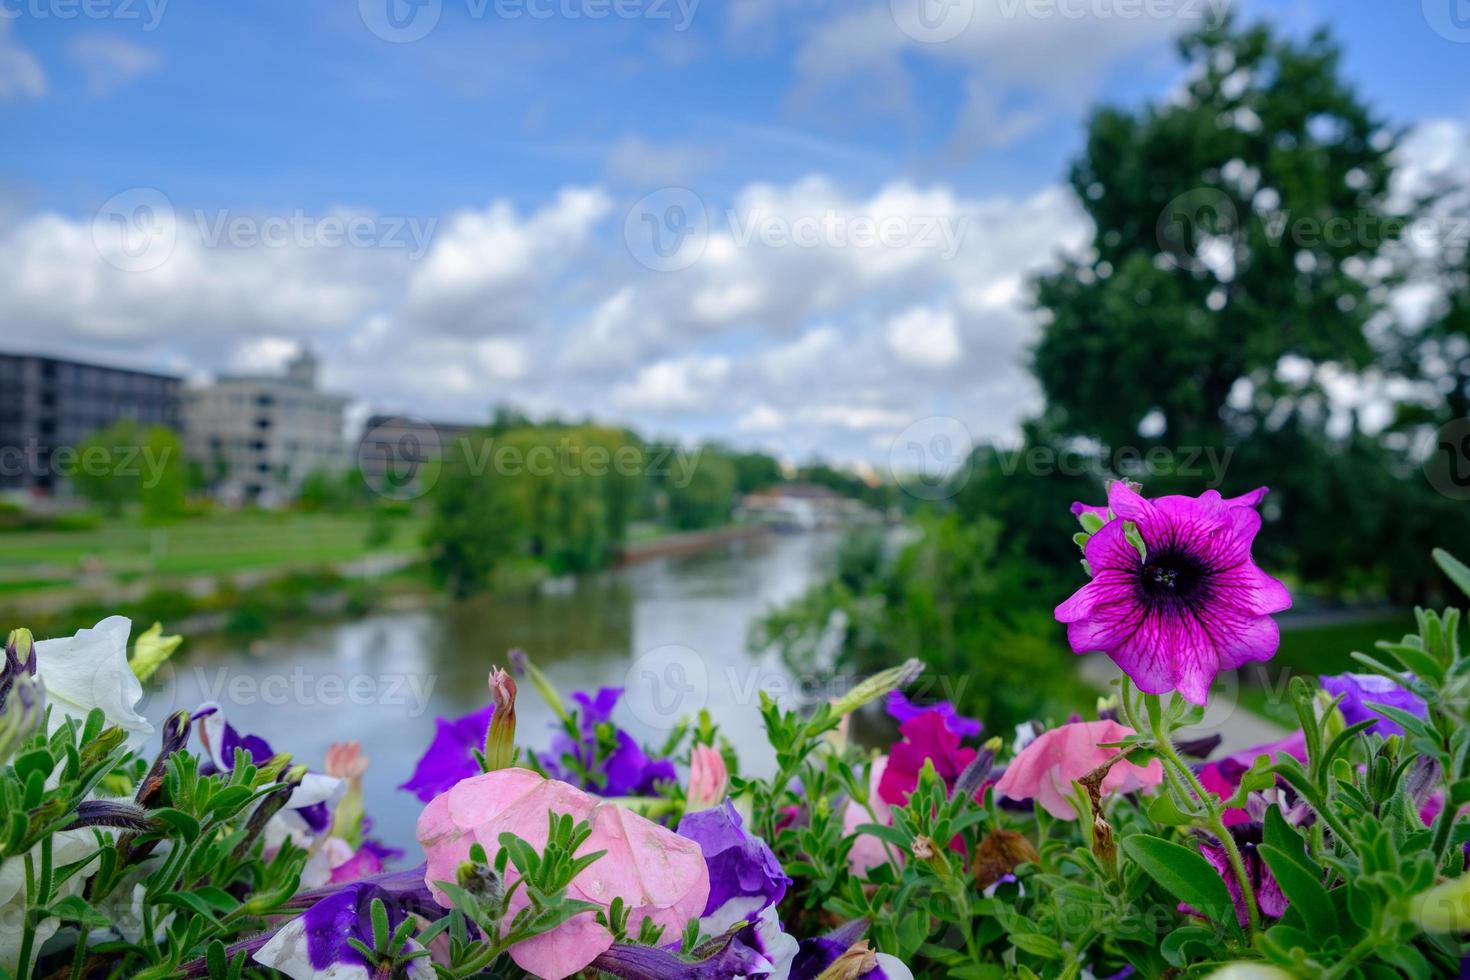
877 686
708 778
22 706
500 738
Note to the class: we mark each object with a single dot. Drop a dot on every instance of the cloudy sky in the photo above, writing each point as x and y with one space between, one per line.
803 225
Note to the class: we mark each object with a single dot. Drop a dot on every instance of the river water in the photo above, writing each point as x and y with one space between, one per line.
672 631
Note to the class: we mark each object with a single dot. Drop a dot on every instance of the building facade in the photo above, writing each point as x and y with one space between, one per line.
259 436
396 453
49 403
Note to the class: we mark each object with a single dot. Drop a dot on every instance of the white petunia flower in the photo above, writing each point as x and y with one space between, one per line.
90 670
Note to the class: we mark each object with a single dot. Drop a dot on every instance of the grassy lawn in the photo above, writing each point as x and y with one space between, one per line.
212 545
1314 650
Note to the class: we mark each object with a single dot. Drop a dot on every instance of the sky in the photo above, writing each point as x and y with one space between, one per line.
803 226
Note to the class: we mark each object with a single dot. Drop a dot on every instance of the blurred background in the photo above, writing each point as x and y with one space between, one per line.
710 348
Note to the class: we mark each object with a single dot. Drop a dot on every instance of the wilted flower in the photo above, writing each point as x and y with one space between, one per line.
744 875
1181 601
1360 690
660 876
1046 769
450 757
708 778
90 670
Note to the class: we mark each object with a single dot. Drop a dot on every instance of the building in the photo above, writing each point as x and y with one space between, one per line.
259 436
804 507
47 403
394 451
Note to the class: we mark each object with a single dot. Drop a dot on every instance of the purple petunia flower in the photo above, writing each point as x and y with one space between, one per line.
901 709
1192 605
451 756
1269 897
816 956
316 943
624 770
744 876
1252 499
1360 690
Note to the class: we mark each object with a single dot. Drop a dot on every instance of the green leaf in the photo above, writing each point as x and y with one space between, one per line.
74 908
1303 889
1184 874
1163 810
1037 945
1452 567
1282 836
1416 661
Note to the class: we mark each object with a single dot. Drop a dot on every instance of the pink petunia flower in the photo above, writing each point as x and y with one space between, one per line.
1194 605
1252 499
868 851
1046 769
660 876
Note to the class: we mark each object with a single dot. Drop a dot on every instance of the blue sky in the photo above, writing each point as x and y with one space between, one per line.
492 166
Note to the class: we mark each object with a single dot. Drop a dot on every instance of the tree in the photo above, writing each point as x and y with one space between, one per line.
708 495
474 524
126 464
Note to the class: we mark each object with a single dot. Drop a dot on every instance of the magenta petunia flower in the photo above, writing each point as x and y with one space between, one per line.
926 736
1192 605
1252 499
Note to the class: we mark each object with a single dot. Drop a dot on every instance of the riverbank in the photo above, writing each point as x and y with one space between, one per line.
688 542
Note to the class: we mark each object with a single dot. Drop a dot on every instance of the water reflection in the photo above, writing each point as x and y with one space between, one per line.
382 679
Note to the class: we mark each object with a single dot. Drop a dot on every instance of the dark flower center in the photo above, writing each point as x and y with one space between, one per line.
1171 576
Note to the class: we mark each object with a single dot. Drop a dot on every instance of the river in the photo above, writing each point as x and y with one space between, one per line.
672 631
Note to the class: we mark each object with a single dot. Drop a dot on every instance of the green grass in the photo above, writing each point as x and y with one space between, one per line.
206 545
1315 650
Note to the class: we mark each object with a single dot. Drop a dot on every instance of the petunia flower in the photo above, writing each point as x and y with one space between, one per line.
1358 691
306 819
1193 604
660 876
901 709
604 759
868 851
744 875
708 778
90 670
450 757
926 736
317 944
843 953
1046 769
1269 898
1252 499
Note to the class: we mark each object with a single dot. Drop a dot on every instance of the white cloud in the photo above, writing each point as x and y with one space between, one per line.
109 63
925 337
21 75
688 384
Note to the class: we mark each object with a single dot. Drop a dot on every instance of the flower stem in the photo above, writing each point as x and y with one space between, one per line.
1212 818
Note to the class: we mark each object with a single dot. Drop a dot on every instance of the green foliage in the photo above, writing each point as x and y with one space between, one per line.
704 496
126 465
473 526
